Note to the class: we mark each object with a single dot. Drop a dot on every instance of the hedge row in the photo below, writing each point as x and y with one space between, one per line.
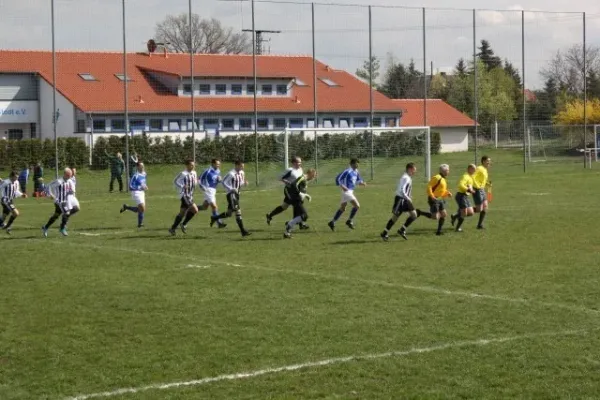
164 150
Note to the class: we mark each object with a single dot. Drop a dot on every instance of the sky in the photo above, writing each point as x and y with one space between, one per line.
341 30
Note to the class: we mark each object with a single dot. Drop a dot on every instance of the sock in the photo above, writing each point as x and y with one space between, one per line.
73 212
353 213
337 215
423 213
389 225
140 218
188 217
294 222
240 223
277 210
441 224
221 216
481 217
2 218
10 221
131 208
65 220
177 221
217 217
460 222
454 216
409 221
52 220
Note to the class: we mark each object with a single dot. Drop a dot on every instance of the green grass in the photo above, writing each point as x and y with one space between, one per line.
88 314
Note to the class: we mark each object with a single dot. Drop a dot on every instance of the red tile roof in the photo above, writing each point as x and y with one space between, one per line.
106 94
439 113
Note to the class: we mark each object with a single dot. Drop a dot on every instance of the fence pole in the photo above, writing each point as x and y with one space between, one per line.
496 133
428 141
585 120
371 108
125 95
315 115
255 90
55 111
525 132
475 91
191 33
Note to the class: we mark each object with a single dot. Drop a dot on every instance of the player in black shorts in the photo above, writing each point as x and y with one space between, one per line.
295 194
185 183
233 182
402 203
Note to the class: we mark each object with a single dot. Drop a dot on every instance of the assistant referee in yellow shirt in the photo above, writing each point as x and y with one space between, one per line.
437 192
480 184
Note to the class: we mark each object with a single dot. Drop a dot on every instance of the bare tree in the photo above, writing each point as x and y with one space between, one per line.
566 68
209 35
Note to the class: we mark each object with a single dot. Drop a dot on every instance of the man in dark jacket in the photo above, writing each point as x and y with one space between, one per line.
117 166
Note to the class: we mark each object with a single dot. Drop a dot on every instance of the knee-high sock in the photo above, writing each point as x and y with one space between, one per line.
140 218
481 217
131 208
409 221
337 215
389 225
52 220
294 222
353 213
423 213
177 221
460 222
10 221
441 224
188 217
276 210
238 220
216 217
65 221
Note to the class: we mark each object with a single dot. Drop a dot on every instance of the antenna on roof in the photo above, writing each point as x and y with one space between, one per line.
153 45
259 38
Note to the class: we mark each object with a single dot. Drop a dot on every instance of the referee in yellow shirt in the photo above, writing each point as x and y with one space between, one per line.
437 191
465 188
480 184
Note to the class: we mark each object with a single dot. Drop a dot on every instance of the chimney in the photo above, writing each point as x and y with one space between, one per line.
296 100
165 51
139 99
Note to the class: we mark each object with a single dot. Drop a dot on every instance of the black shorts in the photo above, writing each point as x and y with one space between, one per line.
436 206
233 201
8 207
402 205
299 210
463 201
61 208
186 202
479 197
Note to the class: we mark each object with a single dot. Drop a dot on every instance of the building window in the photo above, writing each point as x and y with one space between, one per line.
236 89
344 122
296 123
279 123
390 122
329 82
156 125
263 123
88 77
282 90
15 134
310 123
121 77
33 130
228 124
81 125
245 123
195 126
117 125
137 125
267 90
187 89
174 125
205 88
328 123
360 122
376 122
250 89
99 125
221 89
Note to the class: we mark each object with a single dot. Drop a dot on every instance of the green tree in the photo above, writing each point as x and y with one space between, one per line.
461 68
593 84
395 82
439 87
365 72
486 54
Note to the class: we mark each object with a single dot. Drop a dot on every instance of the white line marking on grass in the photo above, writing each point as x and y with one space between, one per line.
197 266
89 234
321 363
428 289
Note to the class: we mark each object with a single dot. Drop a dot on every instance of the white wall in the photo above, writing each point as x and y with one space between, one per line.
66 121
453 139
26 128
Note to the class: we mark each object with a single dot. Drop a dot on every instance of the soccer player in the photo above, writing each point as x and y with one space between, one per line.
185 183
232 182
295 193
23 177
465 188
38 179
480 184
402 203
290 175
208 182
347 181
72 199
60 190
9 190
138 187
437 191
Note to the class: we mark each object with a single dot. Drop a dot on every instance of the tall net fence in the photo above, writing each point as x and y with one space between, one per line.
81 82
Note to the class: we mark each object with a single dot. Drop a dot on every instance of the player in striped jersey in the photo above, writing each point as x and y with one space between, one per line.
289 176
437 192
347 181
138 187
233 182
208 182
73 201
60 190
402 203
9 190
185 183
295 192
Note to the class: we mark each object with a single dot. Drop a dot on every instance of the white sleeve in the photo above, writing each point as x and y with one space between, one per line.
178 182
227 182
51 186
18 191
2 186
404 188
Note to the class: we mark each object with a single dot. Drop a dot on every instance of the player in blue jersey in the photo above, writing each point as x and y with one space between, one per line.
208 182
138 187
348 180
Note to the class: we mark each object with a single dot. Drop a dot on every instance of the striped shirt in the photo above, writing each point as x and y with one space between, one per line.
60 190
185 183
234 180
9 190
291 174
404 189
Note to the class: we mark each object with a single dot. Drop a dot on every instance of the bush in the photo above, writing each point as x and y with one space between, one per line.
164 150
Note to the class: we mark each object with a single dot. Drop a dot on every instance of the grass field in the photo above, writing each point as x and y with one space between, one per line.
510 312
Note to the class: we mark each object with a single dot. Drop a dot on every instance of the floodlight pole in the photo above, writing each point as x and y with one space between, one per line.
255 90
585 119
125 94
315 114
525 134
55 111
428 141
371 107
475 73
191 32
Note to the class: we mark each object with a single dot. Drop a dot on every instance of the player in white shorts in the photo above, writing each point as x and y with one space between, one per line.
208 182
347 181
138 187
72 201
